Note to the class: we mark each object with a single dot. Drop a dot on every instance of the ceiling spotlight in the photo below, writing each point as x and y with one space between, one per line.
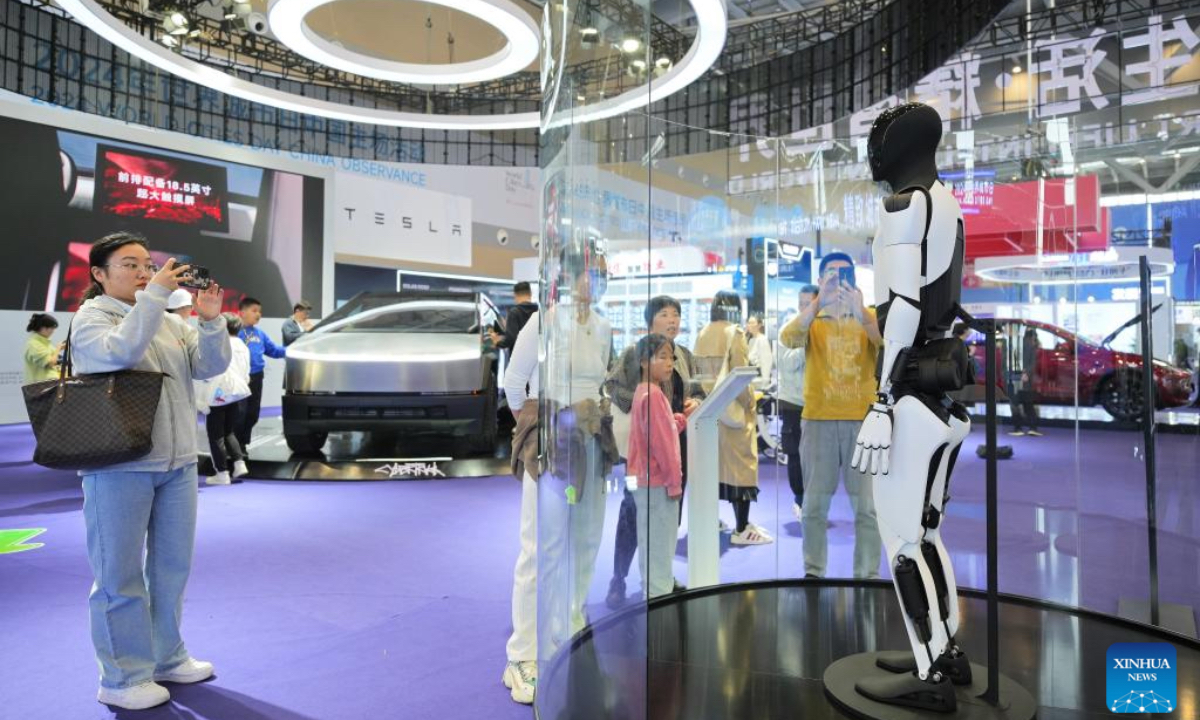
1017 69
663 62
631 45
251 21
175 24
639 64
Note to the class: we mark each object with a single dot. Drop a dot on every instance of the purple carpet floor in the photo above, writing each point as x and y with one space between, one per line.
391 599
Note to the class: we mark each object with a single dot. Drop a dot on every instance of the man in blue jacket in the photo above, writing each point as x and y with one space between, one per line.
260 345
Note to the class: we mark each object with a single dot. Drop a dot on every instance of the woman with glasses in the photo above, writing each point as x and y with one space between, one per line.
146 505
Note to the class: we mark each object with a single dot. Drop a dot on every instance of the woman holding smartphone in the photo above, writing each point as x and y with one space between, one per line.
149 504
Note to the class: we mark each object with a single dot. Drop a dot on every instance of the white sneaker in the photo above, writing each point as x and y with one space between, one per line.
521 678
188 671
762 531
240 469
750 536
221 478
138 697
798 511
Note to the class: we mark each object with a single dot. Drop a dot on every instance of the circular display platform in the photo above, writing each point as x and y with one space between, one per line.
760 651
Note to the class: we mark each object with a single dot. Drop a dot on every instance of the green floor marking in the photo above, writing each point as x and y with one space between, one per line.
13 541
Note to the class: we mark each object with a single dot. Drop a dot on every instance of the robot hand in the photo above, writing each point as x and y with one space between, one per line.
873 450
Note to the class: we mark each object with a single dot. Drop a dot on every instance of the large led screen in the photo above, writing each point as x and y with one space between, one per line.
258 230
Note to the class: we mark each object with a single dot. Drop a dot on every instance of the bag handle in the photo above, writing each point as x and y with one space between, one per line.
65 368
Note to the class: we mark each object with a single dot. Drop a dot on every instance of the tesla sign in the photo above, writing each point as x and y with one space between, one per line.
380 219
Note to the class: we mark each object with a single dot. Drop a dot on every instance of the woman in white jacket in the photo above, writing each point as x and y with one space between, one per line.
141 514
222 399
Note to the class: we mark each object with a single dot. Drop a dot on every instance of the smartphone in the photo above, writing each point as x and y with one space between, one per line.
197 278
846 275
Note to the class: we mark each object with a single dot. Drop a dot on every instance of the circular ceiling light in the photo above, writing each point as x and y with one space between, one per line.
289 26
710 39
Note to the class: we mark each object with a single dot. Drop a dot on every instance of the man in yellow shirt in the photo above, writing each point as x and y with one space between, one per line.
841 340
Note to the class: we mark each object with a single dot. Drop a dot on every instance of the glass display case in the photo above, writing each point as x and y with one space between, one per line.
660 235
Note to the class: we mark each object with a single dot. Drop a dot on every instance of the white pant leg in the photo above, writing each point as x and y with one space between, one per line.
657 530
587 526
522 644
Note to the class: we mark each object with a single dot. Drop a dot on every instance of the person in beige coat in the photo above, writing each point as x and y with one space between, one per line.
722 343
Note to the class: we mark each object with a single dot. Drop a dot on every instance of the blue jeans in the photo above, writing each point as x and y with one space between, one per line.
136 607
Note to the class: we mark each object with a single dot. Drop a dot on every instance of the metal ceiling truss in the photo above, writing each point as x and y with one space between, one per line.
781 34
1070 17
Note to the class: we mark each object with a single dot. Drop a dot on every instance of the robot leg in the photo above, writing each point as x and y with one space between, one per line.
940 495
951 661
919 441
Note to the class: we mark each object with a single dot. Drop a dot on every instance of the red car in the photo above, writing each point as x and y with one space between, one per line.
1106 377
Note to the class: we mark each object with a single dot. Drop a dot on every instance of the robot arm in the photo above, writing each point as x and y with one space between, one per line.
904 316
898 250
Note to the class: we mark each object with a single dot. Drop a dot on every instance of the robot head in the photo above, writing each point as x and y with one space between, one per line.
900 137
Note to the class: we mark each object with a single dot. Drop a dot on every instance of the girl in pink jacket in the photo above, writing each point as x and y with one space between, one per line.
655 461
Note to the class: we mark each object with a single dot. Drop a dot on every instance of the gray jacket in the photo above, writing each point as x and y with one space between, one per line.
624 377
107 335
791 373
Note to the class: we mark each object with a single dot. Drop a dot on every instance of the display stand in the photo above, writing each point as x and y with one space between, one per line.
704 476
1177 618
997 698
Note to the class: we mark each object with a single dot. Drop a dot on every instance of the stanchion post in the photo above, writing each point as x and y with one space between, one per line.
992 694
1147 326
989 327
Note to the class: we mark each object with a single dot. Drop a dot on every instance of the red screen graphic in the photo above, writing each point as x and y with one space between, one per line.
154 187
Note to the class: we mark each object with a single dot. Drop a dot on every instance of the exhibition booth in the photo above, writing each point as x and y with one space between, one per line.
1070 504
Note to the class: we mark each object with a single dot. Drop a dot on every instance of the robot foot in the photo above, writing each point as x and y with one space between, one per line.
910 690
956 667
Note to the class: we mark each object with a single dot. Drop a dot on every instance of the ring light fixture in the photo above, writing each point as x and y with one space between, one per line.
519 29
704 51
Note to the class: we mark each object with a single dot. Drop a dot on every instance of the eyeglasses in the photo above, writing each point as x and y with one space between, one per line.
150 269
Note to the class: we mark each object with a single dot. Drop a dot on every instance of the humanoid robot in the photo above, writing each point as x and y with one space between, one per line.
911 436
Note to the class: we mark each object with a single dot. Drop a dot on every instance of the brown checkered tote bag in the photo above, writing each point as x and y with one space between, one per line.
92 421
